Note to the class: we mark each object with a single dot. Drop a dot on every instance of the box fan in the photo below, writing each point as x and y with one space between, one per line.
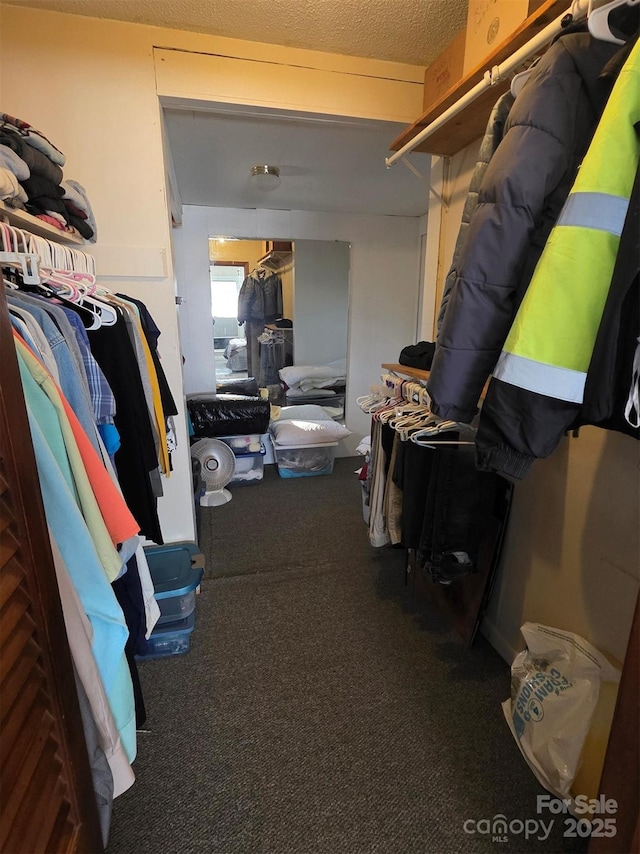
218 466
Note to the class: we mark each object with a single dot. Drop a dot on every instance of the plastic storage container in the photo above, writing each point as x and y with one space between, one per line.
172 563
171 639
305 460
240 445
177 600
249 468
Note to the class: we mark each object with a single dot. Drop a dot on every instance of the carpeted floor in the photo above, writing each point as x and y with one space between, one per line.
321 709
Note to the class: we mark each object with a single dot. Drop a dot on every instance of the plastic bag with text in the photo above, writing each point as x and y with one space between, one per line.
555 684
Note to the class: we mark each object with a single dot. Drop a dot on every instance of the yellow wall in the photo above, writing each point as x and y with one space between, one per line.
237 250
91 86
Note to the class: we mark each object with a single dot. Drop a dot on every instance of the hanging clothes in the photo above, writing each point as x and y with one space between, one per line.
540 378
259 302
490 142
73 538
526 183
62 341
80 635
136 459
260 297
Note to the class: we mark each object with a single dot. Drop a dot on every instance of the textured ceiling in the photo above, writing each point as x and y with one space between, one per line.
324 165
410 31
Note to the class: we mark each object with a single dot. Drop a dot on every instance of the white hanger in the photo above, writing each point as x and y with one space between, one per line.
518 80
421 437
598 20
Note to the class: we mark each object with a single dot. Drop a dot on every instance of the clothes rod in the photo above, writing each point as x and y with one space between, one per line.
492 76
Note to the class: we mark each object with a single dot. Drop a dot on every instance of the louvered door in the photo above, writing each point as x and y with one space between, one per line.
46 794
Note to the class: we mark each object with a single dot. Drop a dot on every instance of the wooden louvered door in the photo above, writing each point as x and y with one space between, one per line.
46 794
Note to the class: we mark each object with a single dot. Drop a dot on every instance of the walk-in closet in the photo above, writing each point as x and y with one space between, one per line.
319 427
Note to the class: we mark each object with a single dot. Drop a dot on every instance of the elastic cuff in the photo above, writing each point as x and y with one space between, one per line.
504 460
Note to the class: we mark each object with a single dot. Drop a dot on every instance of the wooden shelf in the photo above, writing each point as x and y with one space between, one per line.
22 219
414 373
276 258
417 374
470 124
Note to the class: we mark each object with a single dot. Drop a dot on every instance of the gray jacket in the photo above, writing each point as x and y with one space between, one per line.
260 297
490 142
527 181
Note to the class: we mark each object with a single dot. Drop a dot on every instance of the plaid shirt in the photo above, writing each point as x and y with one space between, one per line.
102 399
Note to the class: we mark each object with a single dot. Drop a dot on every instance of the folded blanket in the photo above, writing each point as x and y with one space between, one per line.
34 138
74 209
330 382
78 195
82 226
58 217
44 204
39 185
50 220
14 163
9 187
38 163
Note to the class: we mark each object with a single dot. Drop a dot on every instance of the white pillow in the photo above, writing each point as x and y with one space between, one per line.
308 432
305 412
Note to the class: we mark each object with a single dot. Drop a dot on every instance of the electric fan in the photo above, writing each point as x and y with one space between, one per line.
218 464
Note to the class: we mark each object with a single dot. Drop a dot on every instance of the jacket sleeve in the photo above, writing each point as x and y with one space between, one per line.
490 141
524 188
537 392
518 426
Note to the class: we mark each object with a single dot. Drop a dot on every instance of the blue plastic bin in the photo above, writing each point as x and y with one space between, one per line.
177 602
171 639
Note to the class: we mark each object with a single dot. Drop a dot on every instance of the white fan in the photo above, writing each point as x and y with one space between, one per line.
218 464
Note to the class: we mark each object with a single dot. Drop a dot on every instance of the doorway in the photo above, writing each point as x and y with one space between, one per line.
226 278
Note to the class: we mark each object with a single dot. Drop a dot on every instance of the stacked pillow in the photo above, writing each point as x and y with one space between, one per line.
306 425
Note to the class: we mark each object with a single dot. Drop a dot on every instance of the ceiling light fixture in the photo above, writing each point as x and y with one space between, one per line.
265 177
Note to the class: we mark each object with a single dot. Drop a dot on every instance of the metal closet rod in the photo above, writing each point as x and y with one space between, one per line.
577 10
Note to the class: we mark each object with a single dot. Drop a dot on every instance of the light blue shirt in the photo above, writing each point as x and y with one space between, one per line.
72 537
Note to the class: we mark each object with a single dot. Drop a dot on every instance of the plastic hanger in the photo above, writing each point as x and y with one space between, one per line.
436 428
518 80
599 23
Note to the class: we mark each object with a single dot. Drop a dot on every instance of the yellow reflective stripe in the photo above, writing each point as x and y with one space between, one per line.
559 317
560 383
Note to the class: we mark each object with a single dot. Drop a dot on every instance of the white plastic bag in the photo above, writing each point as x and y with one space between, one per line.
555 684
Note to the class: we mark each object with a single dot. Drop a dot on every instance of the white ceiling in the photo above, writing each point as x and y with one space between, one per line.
324 165
411 31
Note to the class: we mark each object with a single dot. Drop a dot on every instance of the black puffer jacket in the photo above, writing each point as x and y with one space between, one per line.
524 188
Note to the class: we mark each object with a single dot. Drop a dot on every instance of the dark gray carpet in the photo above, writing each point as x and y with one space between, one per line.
321 709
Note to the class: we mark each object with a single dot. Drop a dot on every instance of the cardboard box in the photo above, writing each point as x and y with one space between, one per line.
445 70
490 22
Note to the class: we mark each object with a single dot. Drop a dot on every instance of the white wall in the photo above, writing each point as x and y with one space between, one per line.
384 266
571 554
99 102
321 317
